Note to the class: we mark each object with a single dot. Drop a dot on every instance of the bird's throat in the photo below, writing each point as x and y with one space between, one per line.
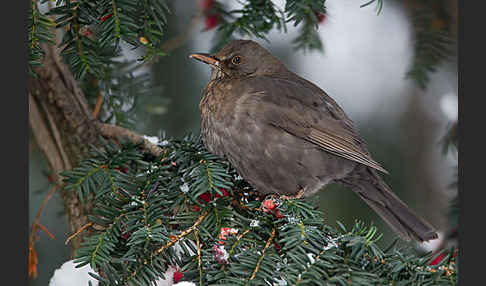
216 74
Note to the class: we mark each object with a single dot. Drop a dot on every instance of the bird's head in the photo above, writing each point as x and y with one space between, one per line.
241 58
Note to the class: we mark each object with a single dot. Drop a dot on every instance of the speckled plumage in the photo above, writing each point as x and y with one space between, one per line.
284 134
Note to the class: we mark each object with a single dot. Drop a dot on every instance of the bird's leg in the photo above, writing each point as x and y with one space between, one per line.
293 197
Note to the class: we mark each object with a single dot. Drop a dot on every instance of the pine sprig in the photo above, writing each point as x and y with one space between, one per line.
102 172
95 29
80 51
305 13
433 41
256 18
189 209
40 31
92 36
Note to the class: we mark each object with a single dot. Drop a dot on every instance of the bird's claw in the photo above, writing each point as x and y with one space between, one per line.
293 197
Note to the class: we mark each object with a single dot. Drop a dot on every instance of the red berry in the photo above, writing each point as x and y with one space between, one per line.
88 32
224 191
321 17
211 21
106 17
438 259
177 276
205 197
124 170
125 235
268 205
224 231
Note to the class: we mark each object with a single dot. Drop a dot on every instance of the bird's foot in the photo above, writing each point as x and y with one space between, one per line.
293 197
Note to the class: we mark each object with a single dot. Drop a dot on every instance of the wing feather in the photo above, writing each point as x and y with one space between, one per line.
341 147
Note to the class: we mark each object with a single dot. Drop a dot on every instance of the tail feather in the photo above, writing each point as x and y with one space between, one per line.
374 191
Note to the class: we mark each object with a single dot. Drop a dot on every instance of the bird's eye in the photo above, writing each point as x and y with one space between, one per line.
236 60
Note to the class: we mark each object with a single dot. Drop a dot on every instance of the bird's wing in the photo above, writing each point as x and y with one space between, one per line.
315 117
341 147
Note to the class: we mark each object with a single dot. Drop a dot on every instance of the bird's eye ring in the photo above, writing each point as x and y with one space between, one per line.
236 60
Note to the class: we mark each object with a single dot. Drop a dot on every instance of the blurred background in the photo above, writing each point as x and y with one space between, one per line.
363 67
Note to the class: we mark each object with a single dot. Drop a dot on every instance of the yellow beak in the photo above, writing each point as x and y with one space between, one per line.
205 58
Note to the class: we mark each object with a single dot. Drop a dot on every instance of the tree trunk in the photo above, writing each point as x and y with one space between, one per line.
63 127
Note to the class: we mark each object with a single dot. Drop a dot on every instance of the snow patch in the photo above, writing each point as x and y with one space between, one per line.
433 245
68 275
152 139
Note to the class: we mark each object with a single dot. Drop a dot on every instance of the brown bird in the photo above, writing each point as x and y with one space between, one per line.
285 135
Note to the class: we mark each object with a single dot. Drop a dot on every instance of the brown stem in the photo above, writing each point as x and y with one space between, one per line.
182 234
99 100
117 133
238 238
39 212
77 232
260 259
33 236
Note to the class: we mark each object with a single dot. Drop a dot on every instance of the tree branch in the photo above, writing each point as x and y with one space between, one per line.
116 133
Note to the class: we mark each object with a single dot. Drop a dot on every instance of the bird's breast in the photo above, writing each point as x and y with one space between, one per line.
216 108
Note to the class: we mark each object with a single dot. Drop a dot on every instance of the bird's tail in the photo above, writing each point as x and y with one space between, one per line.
374 191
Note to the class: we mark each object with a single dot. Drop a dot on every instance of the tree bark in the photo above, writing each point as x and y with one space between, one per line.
63 128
